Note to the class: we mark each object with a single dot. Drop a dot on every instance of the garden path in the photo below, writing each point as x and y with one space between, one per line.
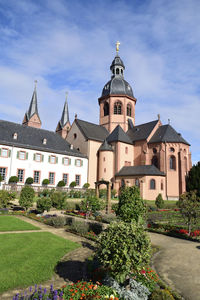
72 266
178 264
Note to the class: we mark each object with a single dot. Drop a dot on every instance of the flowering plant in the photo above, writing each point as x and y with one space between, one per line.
147 277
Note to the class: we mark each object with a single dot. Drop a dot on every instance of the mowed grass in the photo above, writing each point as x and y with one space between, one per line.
30 258
10 223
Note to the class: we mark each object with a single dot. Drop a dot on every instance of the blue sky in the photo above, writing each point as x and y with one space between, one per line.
69 46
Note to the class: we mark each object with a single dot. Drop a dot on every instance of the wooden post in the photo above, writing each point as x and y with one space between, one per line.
96 189
108 206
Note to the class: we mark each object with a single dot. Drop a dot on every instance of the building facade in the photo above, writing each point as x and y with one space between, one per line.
152 156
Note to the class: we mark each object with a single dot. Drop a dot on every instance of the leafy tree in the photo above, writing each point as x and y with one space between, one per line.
29 180
131 205
91 204
13 179
45 181
72 184
193 179
189 204
26 197
4 199
1 178
159 201
44 203
58 200
61 183
123 248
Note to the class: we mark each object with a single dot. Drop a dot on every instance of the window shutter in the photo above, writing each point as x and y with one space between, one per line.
81 163
63 160
42 157
69 161
56 159
75 162
17 154
49 159
26 155
0 151
34 155
9 153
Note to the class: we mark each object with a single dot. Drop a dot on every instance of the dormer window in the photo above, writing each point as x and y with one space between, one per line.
15 136
117 71
44 141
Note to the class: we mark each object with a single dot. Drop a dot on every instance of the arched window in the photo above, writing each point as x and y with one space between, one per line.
161 186
137 182
171 149
118 108
122 183
106 109
126 150
185 163
154 161
172 162
117 71
128 110
121 71
152 184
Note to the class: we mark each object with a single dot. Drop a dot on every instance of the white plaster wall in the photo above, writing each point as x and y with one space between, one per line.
12 163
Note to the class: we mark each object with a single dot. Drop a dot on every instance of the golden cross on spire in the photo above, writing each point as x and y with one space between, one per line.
117 46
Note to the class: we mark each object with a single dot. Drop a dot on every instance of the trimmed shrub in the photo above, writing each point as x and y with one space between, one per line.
113 193
58 200
13 179
123 248
26 197
61 183
81 227
44 203
45 181
4 198
159 201
29 180
103 193
86 185
91 204
1 178
72 184
131 206
45 193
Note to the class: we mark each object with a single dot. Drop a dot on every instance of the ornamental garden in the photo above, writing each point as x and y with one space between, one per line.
119 266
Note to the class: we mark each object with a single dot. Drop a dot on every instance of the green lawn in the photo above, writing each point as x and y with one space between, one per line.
167 203
30 258
10 223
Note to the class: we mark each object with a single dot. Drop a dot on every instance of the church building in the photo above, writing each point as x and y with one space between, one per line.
152 155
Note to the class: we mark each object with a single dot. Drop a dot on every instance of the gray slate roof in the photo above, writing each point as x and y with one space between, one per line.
118 135
117 86
117 61
92 131
140 170
141 132
32 138
106 147
167 133
33 109
65 115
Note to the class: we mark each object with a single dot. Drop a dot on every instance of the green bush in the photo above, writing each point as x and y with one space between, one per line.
70 206
72 184
61 183
123 248
113 193
4 199
161 295
44 203
45 181
13 179
29 180
26 197
86 185
131 205
91 204
159 201
1 178
58 200
81 227
45 193
103 193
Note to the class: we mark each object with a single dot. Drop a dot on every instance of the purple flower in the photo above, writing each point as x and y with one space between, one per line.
51 289
55 292
61 294
30 289
45 290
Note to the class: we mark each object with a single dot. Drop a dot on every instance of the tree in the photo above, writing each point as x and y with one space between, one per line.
45 181
29 180
44 203
193 179
58 200
13 179
1 178
72 184
4 199
86 185
61 183
91 204
189 204
26 197
123 248
159 201
131 205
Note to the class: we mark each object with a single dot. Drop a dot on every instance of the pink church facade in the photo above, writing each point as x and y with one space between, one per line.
152 156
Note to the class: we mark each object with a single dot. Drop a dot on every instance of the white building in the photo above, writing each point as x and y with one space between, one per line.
28 151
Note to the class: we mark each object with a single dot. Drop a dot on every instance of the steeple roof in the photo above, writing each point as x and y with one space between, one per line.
105 147
33 109
65 114
118 135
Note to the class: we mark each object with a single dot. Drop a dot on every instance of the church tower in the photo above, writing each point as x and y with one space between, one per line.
117 102
64 126
31 117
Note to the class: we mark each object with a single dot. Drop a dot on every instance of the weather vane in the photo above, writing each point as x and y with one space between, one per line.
117 46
